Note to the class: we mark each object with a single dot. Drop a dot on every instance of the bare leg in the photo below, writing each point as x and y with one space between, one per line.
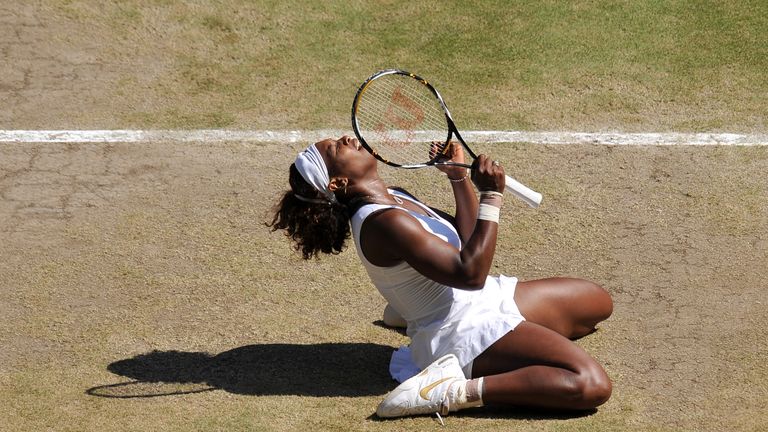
571 307
535 366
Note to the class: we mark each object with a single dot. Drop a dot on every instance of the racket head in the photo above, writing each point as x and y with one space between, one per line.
401 119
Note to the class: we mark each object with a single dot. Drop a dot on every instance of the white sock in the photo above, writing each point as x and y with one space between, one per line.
466 394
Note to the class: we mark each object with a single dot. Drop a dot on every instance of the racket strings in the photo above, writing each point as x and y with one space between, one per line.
400 118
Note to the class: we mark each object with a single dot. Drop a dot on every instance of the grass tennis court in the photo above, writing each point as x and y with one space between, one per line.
140 289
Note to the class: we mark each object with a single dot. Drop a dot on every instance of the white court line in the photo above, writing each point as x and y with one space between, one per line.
297 136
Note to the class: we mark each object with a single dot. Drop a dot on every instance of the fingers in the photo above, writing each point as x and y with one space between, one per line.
435 148
488 174
449 151
443 153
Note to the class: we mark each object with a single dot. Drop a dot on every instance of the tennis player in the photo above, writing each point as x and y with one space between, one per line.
476 339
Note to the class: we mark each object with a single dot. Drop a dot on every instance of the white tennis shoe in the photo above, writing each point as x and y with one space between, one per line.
425 393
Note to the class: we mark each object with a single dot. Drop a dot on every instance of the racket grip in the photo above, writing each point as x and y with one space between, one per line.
531 197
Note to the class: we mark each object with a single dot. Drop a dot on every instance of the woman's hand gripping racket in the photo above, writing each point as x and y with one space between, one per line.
398 117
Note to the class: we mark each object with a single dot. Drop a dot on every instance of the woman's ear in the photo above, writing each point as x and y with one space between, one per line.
337 183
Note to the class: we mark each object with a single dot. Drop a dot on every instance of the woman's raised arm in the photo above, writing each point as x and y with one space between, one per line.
390 236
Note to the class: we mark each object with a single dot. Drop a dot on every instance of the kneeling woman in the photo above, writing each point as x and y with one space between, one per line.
477 339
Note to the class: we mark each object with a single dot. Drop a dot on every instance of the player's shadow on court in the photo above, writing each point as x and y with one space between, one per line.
331 369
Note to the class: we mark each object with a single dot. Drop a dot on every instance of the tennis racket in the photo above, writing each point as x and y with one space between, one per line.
399 118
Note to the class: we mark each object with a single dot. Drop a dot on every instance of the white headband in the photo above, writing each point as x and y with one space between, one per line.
311 166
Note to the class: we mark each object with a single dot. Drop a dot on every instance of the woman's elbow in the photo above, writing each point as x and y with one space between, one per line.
474 286
472 282
467 275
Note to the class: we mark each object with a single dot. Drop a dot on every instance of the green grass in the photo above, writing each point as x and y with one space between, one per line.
631 65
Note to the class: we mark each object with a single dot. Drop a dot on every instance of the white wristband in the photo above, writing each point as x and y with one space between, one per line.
489 213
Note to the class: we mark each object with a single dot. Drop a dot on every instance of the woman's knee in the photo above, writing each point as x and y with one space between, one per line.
599 390
599 297
585 305
592 388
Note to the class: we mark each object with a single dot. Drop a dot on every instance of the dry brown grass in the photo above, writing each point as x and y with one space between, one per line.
141 290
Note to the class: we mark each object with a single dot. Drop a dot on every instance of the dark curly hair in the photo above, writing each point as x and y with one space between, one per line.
313 227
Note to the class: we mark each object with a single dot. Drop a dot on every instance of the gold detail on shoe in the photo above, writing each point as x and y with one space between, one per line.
424 393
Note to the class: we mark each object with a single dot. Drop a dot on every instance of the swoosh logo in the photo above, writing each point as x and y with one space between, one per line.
424 393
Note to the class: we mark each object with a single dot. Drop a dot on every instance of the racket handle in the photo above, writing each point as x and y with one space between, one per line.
531 197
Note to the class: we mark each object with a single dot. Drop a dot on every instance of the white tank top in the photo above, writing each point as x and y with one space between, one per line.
417 298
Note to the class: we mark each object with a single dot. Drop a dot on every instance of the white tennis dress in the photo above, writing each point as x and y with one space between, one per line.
441 319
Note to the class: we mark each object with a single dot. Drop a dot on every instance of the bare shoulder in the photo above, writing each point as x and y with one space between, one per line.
389 222
385 232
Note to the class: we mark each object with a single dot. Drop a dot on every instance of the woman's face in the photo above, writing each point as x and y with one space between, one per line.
345 157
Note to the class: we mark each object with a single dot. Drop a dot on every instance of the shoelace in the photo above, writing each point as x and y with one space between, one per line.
445 407
439 418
